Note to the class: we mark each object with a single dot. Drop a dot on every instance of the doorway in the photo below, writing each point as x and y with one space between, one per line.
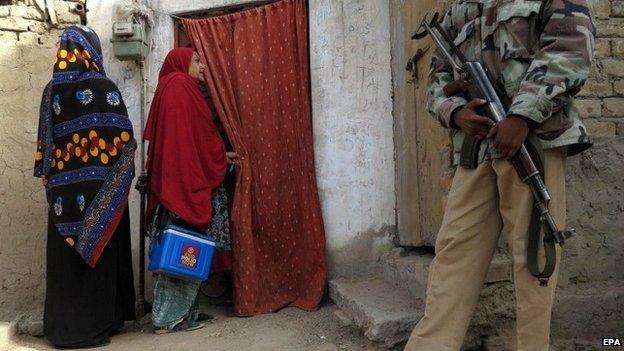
422 151
181 39
257 73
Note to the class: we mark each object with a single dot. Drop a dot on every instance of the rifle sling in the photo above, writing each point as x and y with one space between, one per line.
550 251
535 227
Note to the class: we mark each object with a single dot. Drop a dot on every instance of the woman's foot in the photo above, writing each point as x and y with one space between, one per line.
183 325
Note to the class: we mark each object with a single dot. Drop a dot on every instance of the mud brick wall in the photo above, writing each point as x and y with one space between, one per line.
595 182
602 99
27 50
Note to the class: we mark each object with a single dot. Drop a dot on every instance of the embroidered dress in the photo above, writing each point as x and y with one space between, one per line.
85 154
220 228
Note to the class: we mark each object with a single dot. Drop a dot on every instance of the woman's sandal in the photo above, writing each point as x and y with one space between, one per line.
205 317
183 325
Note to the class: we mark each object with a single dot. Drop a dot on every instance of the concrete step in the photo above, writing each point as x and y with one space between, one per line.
385 313
387 306
590 311
580 311
409 268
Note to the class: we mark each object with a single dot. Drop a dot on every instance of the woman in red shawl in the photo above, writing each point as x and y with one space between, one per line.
186 164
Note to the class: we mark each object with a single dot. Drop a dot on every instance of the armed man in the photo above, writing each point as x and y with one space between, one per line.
537 56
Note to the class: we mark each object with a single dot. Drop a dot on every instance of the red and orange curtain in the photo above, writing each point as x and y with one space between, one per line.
257 71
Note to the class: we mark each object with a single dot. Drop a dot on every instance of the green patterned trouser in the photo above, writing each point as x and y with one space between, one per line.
174 300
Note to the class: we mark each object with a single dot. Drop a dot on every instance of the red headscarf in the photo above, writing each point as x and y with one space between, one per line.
186 156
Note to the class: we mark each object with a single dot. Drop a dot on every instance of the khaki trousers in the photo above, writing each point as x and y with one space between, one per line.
483 203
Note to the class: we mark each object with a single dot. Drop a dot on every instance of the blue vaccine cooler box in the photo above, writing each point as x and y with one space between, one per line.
182 253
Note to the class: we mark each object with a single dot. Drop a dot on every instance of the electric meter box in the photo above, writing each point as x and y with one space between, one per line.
129 41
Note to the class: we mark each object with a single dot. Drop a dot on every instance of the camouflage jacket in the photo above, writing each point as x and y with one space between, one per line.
537 52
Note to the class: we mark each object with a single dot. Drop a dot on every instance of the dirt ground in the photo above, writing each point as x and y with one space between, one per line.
289 329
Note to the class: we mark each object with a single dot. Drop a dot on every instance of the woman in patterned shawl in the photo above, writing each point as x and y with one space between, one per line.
85 156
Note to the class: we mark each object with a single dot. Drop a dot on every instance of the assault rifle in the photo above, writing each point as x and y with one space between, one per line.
476 82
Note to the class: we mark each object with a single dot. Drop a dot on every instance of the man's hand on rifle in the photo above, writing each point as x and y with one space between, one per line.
509 134
471 122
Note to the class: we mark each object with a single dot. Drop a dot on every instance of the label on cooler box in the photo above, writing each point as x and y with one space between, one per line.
189 256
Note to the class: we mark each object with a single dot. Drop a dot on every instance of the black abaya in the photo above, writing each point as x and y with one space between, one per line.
85 305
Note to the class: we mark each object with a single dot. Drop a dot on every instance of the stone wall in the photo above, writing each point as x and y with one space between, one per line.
27 53
602 99
595 182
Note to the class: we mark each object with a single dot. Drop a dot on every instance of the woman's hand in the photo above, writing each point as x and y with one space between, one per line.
232 157
44 180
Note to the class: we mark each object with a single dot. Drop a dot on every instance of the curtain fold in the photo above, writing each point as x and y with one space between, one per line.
257 71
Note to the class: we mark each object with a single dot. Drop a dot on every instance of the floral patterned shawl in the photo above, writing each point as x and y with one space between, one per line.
85 148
